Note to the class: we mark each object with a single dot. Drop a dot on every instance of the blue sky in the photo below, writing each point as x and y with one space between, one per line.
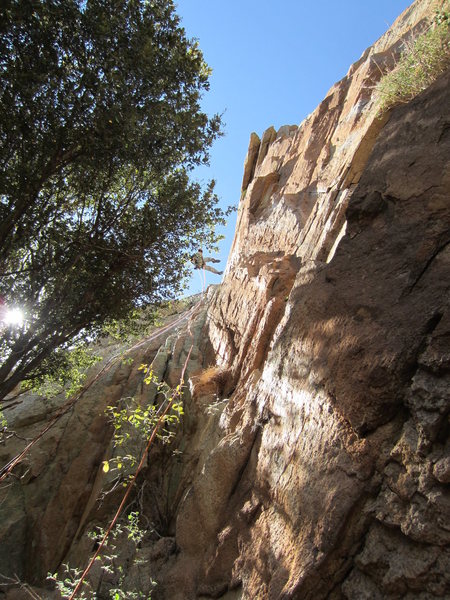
273 62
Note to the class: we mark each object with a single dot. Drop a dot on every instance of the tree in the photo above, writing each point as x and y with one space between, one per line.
99 128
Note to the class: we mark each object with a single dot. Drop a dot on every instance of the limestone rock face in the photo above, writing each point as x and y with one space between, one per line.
296 187
353 397
313 460
54 495
333 318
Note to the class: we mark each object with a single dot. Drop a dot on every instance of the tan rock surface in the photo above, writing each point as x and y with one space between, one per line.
53 494
313 459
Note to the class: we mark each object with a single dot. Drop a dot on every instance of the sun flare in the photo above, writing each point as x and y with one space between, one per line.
14 317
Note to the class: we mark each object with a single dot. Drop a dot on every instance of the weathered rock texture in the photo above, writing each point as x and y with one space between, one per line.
352 399
314 458
56 494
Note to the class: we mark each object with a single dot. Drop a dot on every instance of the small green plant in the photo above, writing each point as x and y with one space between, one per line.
68 579
118 594
442 15
127 360
423 60
134 422
66 582
135 533
145 423
3 424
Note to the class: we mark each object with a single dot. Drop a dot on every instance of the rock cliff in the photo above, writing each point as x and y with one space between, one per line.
313 460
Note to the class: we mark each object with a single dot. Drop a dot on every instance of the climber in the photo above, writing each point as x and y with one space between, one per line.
199 262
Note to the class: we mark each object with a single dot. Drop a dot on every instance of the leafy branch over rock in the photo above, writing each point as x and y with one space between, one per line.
100 127
134 423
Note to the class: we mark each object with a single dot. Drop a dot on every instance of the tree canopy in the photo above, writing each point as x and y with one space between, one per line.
100 125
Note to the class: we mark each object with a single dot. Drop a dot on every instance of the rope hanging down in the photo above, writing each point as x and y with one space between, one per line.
130 486
178 392
7 469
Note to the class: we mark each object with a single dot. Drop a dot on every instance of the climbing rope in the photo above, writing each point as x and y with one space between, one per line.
177 393
7 469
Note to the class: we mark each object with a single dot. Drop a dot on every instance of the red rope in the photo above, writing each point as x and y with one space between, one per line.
133 481
141 464
6 470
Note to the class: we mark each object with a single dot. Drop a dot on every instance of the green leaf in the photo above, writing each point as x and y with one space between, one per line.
98 207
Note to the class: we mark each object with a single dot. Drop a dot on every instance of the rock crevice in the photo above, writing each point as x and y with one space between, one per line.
313 457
